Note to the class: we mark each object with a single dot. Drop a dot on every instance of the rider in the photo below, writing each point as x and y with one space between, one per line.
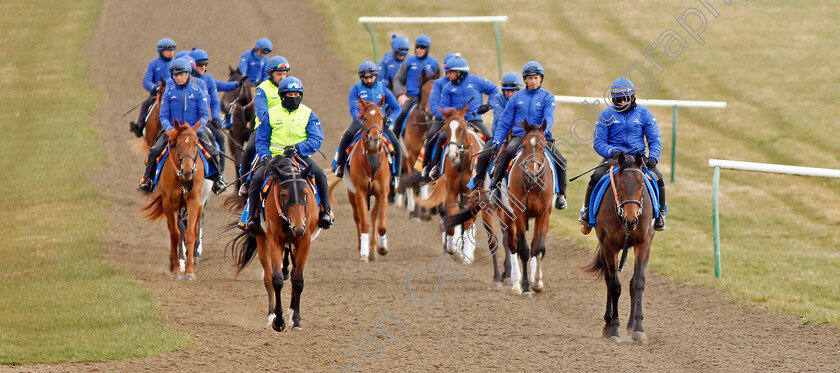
201 59
290 129
622 126
368 89
155 72
406 84
187 102
511 83
252 62
265 98
462 90
391 61
534 105
434 107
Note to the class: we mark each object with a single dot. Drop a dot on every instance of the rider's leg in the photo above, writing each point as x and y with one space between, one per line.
481 166
392 137
346 138
245 161
210 146
560 168
479 124
326 218
659 224
137 127
429 145
397 125
151 162
437 155
258 176
504 159
220 140
597 174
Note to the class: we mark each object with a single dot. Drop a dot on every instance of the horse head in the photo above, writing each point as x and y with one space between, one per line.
629 191
455 130
426 84
292 195
533 153
183 143
372 119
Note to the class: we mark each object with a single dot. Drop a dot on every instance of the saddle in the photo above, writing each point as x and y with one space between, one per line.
209 170
389 146
264 194
603 186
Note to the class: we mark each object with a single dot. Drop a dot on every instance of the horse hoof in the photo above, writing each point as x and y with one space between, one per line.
516 291
537 287
497 284
415 219
278 325
526 294
175 277
382 250
507 282
189 277
615 339
297 328
364 259
639 336
271 318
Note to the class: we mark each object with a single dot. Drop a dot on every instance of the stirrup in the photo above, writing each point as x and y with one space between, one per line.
339 171
659 223
560 202
253 226
326 219
146 186
243 189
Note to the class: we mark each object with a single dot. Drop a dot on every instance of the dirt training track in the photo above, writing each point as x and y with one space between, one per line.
470 326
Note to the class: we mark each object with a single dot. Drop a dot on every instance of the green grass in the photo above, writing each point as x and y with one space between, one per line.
60 301
774 62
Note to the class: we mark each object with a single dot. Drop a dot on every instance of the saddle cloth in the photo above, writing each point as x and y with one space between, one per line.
604 185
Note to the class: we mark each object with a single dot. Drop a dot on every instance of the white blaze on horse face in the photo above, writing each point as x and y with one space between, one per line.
452 149
533 141
372 112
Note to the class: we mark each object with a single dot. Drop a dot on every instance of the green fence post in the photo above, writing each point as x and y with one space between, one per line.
716 219
674 145
373 39
498 46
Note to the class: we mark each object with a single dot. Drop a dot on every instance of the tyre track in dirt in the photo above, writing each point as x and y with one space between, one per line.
471 326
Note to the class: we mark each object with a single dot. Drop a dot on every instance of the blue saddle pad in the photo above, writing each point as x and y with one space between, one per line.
208 170
550 160
244 217
604 185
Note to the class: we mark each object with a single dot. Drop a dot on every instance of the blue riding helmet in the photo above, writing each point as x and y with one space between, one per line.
368 68
200 56
264 45
457 63
166 44
189 60
290 84
423 40
511 80
182 53
278 63
179 65
400 44
532 68
450 55
622 87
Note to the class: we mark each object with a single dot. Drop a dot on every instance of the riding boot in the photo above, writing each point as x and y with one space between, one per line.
584 212
560 202
253 224
392 137
146 184
659 223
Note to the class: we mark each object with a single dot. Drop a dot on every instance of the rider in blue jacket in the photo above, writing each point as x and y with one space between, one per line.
621 127
156 71
407 82
533 105
368 89
252 62
202 59
511 83
187 102
463 89
391 61
434 107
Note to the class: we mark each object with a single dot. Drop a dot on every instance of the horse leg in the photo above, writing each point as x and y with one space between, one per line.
174 239
193 216
512 274
301 250
265 261
364 226
493 245
538 251
468 242
381 210
275 255
637 289
524 257
613 293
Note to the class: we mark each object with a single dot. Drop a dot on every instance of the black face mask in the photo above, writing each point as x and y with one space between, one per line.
291 103
626 107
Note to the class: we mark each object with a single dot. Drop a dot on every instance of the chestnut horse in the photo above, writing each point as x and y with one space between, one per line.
624 219
529 194
417 123
369 176
152 128
291 214
181 187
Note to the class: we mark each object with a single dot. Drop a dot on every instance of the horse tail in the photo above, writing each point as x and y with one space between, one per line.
450 221
243 247
235 203
410 181
332 181
140 146
596 266
437 196
154 209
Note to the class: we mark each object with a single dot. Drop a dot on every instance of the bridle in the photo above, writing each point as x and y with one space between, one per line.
178 167
461 146
619 204
242 108
533 176
295 185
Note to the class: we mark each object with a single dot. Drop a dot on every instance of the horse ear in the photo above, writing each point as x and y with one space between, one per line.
621 158
542 127
447 113
231 69
197 125
638 159
361 104
381 101
463 110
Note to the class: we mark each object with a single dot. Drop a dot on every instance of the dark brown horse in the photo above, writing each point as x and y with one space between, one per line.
529 195
239 106
369 176
291 214
624 219
417 123
181 188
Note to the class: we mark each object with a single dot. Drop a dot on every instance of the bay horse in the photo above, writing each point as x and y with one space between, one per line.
181 188
529 195
239 104
451 190
369 175
624 219
291 214
417 123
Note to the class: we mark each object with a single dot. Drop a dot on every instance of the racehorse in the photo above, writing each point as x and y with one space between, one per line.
239 104
182 190
369 176
417 123
451 189
291 214
624 219
529 194
152 128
